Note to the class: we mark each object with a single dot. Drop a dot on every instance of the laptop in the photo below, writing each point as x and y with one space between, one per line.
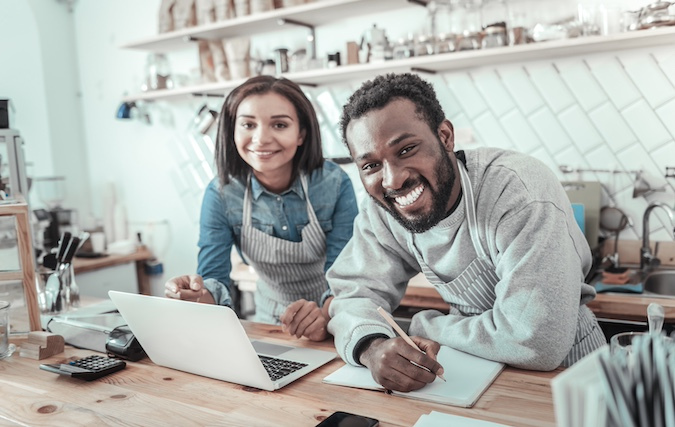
209 340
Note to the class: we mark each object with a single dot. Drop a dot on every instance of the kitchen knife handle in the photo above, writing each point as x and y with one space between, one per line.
63 245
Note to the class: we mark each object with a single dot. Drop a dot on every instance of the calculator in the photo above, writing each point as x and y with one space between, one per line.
88 368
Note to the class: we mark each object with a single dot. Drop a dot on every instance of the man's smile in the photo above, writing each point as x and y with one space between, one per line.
411 197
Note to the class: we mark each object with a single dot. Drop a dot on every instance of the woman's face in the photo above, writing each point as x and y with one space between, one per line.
267 134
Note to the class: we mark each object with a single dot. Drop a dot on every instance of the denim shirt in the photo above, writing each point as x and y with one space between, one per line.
280 215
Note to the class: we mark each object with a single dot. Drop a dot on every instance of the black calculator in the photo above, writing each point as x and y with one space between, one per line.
88 368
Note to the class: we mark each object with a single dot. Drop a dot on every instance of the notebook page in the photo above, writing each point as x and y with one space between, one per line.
467 378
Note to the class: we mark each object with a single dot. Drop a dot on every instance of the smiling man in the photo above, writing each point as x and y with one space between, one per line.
492 230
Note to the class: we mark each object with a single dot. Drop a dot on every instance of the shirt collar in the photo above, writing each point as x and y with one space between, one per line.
257 189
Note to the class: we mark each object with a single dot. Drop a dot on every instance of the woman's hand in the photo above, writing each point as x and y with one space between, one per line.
188 288
306 318
398 366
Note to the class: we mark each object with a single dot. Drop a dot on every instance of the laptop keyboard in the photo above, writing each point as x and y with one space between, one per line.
279 368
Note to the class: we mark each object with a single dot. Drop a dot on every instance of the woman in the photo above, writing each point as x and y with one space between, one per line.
288 212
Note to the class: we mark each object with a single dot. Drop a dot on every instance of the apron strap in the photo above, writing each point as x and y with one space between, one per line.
471 210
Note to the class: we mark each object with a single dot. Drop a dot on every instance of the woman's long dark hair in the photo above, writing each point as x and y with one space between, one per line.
228 161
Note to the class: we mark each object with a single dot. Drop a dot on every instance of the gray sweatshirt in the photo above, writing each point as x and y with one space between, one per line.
536 317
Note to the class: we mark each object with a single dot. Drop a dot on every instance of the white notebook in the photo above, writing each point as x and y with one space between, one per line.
467 378
440 419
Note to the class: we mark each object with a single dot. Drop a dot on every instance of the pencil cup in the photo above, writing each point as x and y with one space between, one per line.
623 342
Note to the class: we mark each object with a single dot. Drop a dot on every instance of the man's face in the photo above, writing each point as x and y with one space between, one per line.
404 166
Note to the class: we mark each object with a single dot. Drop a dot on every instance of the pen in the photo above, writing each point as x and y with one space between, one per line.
403 335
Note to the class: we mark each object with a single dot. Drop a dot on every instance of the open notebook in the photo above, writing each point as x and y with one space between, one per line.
467 378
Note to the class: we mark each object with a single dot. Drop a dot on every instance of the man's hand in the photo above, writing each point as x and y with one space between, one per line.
392 363
188 288
305 318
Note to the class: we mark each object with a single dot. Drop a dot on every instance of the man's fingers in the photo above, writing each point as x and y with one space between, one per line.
402 377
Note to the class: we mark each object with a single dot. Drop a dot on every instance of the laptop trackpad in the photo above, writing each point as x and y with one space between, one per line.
270 349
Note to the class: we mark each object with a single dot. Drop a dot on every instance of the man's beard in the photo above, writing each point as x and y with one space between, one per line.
445 179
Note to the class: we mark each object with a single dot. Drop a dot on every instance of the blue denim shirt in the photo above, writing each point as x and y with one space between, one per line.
281 215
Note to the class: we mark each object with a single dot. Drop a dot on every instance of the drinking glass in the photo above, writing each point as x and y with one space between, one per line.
6 349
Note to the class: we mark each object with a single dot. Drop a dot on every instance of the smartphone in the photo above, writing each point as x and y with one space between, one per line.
345 419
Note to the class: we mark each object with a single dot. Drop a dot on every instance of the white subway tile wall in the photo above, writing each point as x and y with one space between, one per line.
609 111
612 111
611 76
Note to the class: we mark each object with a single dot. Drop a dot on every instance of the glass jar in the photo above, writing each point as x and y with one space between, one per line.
494 12
404 48
467 20
444 32
157 73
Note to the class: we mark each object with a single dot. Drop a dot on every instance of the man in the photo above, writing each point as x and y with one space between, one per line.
492 230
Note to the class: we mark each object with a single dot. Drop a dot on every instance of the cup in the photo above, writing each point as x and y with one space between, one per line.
97 240
623 342
6 349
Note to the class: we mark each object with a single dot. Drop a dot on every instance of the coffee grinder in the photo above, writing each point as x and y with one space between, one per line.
56 220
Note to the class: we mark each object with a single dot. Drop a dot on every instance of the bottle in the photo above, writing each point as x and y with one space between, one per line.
157 72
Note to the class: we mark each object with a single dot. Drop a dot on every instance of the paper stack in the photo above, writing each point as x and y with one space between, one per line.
633 388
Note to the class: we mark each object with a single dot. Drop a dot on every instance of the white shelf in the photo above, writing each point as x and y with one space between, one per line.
317 13
445 62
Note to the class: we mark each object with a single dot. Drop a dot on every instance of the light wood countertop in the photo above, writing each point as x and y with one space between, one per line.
605 305
144 394
83 265
142 254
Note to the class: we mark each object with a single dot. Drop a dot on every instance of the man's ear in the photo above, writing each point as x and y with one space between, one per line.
446 133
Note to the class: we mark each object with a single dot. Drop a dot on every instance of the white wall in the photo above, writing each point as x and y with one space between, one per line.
607 111
39 75
22 81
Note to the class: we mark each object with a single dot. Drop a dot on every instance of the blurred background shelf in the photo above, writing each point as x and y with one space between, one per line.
436 63
315 14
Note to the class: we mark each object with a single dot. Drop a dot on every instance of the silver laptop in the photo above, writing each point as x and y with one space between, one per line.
209 340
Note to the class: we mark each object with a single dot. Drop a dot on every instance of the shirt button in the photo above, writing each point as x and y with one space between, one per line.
278 199
284 228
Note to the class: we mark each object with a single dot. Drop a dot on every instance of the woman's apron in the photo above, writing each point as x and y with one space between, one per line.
473 291
288 270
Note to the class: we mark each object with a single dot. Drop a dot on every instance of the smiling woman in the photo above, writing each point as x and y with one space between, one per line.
288 212
267 135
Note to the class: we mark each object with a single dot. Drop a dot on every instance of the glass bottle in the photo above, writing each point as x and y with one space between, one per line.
445 35
157 72
494 15
467 19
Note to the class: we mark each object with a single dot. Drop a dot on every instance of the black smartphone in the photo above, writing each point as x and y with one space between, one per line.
345 419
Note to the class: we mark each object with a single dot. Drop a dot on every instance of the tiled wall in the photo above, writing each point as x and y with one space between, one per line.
606 111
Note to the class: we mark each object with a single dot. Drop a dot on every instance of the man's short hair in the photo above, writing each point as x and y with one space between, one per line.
377 93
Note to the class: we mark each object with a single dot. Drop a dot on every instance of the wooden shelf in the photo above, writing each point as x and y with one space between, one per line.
19 210
320 12
444 62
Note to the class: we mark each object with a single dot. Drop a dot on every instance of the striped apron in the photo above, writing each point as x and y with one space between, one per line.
288 270
473 291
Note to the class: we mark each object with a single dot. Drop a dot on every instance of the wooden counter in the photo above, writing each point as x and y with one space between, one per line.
605 305
141 255
144 394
